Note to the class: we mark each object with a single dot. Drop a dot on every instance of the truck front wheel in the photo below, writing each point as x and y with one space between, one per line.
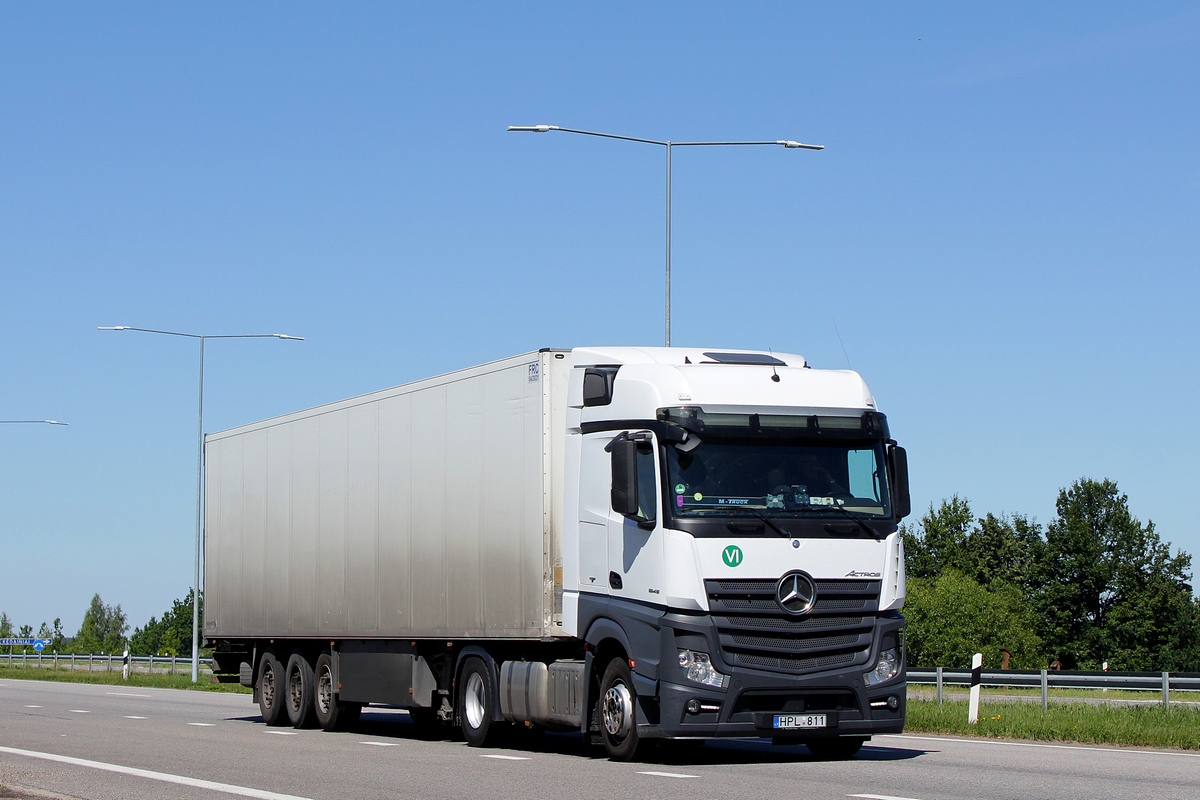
618 718
271 689
475 704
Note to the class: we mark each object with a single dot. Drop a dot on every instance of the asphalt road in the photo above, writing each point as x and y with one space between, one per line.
108 742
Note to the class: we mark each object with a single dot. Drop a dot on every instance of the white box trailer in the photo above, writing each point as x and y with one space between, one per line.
432 509
635 543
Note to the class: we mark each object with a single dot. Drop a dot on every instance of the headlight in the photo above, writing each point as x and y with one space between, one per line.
699 668
885 669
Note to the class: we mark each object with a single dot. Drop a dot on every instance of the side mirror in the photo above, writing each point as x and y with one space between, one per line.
624 476
899 464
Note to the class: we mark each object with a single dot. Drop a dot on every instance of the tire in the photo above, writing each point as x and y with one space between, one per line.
271 689
618 714
299 695
477 701
332 713
838 749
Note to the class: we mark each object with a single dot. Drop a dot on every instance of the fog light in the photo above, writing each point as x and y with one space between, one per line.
699 668
886 668
693 706
893 702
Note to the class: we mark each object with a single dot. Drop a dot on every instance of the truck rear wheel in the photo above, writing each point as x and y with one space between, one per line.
837 749
271 689
301 709
476 703
332 713
618 716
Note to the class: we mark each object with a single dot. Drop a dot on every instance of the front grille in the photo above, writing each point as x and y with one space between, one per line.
754 631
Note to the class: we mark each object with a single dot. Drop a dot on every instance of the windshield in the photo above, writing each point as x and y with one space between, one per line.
727 475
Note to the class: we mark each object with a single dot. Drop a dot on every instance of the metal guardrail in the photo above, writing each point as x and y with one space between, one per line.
105 662
1061 679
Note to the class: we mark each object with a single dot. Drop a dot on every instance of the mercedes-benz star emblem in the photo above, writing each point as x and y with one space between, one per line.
796 593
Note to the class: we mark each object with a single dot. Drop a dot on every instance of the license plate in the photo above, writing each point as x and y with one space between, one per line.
793 721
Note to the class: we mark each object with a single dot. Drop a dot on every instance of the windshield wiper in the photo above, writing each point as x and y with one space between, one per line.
770 524
858 519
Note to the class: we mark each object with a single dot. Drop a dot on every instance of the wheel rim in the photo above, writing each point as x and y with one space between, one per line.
325 691
618 710
268 687
474 700
296 690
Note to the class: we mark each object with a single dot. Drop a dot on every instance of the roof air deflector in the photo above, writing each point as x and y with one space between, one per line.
756 359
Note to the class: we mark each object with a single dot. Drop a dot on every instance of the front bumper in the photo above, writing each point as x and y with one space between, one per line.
752 697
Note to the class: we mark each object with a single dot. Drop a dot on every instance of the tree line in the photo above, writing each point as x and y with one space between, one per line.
104 627
1094 586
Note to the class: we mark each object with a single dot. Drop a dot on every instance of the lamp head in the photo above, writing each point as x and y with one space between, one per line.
533 128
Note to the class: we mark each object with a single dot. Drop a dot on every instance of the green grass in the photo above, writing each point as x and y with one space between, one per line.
1145 726
157 680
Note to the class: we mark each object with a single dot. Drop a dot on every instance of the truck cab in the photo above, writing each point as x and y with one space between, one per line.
731 559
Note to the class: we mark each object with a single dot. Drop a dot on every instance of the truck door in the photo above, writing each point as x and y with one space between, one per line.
594 511
635 546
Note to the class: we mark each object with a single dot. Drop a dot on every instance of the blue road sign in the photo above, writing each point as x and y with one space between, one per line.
36 644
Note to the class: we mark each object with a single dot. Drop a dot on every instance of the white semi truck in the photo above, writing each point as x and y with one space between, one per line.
634 543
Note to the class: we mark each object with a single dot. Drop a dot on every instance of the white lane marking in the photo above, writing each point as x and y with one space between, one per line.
382 744
131 717
879 797
508 758
33 706
284 733
668 775
1035 744
126 694
78 711
203 724
166 777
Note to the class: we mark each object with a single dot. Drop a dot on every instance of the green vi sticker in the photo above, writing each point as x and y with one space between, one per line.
732 555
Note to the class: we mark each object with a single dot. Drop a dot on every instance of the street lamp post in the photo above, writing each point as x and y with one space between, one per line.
200 465
791 145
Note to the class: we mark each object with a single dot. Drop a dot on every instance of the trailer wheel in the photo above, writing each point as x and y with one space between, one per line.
301 709
618 717
476 702
332 713
271 689
837 749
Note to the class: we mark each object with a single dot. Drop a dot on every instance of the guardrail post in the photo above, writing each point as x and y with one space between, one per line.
939 685
1045 689
1167 689
172 663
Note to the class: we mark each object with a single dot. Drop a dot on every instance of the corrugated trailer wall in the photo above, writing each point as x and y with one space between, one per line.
428 510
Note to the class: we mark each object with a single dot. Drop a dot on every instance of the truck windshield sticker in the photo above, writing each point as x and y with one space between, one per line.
680 488
732 555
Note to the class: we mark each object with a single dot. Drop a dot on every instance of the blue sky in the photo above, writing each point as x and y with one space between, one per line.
1003 230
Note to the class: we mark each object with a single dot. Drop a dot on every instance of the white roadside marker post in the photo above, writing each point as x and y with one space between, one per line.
976 677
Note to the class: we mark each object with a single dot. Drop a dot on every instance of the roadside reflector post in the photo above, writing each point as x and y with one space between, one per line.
1166 690
939 685
1045 689
976 677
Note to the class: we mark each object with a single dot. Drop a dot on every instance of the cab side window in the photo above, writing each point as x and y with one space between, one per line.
647 488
